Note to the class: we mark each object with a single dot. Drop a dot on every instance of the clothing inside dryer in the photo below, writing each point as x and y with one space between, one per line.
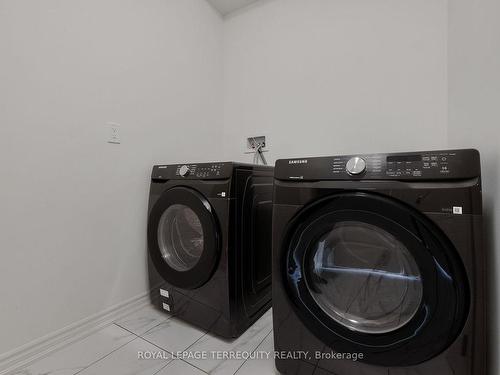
364 278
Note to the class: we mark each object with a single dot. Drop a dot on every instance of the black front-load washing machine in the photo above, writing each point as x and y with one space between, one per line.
378 266
209 243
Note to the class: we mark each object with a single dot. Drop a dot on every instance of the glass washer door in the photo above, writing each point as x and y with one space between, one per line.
180 237
368 274
364 278
183 238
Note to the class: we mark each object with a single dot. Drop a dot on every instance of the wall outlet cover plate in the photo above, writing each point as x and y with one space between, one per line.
114 133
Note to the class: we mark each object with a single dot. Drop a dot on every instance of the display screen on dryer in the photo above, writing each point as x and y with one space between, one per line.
403 158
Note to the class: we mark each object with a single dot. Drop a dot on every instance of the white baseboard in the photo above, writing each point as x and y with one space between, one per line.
34 350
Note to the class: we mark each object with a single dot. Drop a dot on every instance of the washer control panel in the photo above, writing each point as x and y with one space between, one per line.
417 165
198 171
429 165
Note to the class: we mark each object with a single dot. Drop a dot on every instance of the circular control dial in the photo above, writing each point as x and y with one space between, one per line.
355 166
184 171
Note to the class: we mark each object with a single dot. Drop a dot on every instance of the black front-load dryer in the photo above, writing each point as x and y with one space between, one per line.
377 264
209 243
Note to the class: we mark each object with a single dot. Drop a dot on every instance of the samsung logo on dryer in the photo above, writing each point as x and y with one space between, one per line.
297 161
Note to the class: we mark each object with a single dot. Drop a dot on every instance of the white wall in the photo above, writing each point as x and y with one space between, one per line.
317 77
474 121
322 77
72 207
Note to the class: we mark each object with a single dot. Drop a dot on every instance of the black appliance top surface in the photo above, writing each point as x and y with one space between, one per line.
201 171
412 166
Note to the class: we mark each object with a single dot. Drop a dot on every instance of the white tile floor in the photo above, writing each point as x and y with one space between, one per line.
116 348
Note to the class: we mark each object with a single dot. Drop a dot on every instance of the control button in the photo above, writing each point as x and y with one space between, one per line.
355 166
184 171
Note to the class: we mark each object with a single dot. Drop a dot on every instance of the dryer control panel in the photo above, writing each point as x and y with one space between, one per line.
426 165
194 171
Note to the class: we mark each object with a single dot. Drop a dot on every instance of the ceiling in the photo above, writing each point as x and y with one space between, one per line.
228 6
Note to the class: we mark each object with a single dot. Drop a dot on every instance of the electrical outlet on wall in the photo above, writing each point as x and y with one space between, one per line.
114 133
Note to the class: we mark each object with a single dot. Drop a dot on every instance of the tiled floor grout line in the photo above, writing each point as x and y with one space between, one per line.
206 333
71 343
173 356
134 336
159 347
149 330
253 351
111 352
126 329
141 336
168 317
179 359
187 348
190 364
163 367
191 345
198 339
149 342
